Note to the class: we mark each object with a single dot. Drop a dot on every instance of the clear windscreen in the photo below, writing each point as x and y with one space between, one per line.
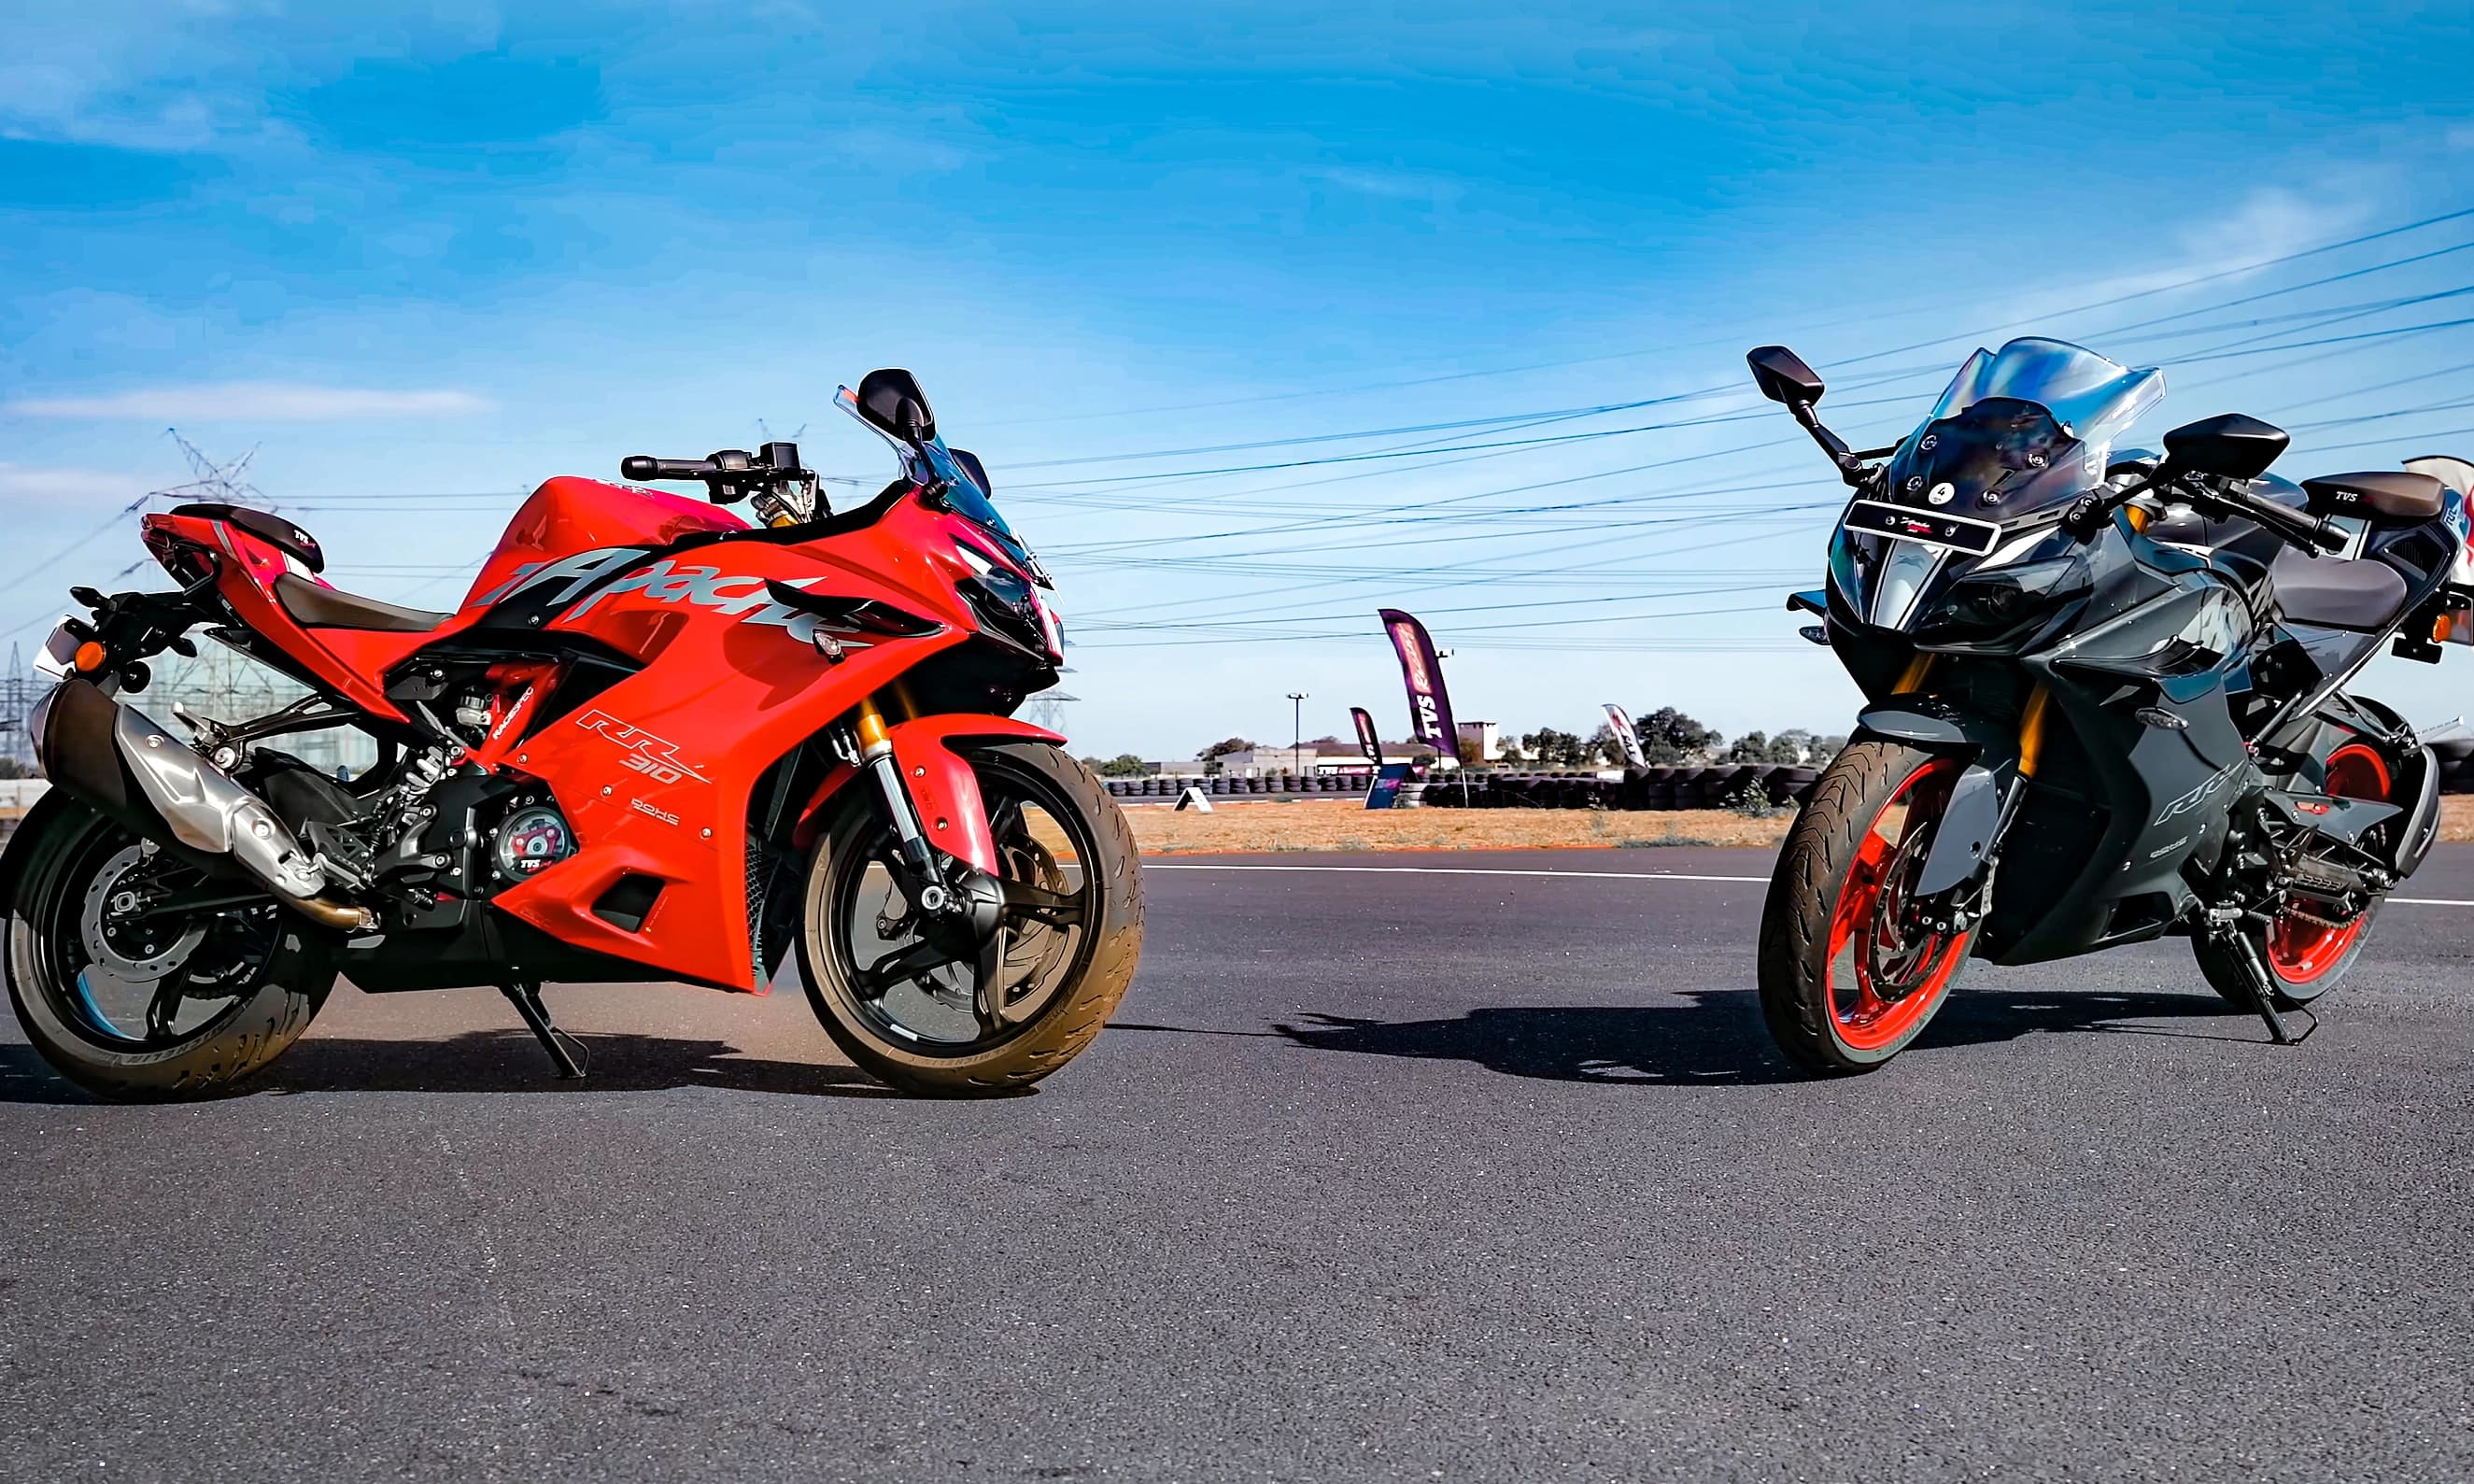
2093 397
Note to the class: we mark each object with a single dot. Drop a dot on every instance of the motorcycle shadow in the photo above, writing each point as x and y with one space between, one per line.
491 1062
1719 1038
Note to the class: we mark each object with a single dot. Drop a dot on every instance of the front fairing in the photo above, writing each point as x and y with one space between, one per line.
1959 544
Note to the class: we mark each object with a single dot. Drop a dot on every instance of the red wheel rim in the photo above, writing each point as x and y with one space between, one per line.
1883 980
2299 948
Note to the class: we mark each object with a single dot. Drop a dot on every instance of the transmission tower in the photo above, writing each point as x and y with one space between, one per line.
19 690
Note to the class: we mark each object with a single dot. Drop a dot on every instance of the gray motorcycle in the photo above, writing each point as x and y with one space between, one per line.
2105 701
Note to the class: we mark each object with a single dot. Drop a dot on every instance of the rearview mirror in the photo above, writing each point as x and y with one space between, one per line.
2230 447
1782 376
891 402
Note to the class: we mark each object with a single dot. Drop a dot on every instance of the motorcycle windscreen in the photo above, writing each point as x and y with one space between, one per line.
2094 398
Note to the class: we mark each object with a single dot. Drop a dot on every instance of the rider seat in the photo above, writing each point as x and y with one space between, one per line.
2360 595
314 606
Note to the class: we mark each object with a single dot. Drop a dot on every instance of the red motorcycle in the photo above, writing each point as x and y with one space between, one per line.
656 742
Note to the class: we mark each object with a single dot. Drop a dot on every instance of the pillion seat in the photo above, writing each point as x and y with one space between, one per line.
2360 595
312 604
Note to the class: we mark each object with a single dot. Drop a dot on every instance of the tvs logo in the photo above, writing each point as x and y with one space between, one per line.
647 754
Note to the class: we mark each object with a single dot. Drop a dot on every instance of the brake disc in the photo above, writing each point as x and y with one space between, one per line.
140 951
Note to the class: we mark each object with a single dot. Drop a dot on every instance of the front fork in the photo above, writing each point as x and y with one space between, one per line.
962 906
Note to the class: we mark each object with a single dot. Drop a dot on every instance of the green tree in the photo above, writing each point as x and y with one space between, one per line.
1670 736
1125 765
1560 749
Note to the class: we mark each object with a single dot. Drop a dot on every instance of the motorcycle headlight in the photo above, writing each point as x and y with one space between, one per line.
1985 604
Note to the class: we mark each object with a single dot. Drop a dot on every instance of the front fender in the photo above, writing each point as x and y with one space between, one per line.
942 785
1980 800
1936 725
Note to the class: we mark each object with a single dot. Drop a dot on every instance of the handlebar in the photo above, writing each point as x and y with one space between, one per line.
774 475
2310 532
645 466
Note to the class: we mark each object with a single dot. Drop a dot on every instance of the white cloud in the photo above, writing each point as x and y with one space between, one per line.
261 402
22 487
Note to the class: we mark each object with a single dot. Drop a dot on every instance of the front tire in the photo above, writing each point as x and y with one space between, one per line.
138 1009
1057 830
1846 981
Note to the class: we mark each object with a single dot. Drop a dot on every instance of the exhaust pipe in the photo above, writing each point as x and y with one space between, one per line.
110 755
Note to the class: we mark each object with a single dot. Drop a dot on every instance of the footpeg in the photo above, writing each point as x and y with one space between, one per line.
526 997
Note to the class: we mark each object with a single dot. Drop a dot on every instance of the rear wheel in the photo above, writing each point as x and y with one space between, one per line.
129 993
2305 953
1850 973
904 1006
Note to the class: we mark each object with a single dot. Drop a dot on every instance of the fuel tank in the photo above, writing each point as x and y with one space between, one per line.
567 515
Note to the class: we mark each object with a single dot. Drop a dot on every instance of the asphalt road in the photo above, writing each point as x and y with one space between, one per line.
1381 1174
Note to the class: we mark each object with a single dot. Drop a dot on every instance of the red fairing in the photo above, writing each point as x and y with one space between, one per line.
567 515
654 770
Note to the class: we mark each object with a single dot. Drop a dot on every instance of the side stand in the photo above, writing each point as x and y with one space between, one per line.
2262 996
526 996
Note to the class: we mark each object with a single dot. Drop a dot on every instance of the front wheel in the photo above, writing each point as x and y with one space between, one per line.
1849 972
900 999
137 976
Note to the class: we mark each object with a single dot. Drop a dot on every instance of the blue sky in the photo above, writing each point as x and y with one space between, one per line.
420 261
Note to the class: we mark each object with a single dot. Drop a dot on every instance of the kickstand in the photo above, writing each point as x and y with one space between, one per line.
526 997
2263 999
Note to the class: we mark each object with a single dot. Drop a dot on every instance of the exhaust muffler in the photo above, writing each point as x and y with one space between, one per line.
113 757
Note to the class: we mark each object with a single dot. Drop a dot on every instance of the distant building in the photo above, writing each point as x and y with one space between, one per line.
1478 742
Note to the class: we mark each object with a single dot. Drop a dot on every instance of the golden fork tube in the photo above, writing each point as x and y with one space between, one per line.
2031 729
876 755
1913 677
871 729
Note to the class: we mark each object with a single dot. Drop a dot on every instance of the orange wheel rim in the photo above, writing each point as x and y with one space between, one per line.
2300 949
1883 978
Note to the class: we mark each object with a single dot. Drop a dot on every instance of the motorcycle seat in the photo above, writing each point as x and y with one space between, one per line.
312 605
2358 595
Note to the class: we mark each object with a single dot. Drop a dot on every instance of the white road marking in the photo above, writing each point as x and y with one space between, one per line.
1475 870
1446 870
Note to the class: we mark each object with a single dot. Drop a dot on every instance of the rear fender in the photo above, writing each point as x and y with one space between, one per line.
28 835
942 785
2417 790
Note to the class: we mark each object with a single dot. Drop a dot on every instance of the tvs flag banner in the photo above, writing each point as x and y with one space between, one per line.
1430 709
1627 736
1369 740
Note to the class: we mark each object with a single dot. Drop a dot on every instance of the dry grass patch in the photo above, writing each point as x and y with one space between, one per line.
1345 824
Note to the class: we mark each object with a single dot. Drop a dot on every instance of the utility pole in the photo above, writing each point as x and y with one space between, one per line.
1296 727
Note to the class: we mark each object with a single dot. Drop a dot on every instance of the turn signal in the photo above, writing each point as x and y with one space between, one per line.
89 657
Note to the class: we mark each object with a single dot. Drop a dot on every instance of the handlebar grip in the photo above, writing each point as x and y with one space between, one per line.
645 466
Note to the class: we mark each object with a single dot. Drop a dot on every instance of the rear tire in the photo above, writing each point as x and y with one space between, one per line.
79 1016
1069 986
2304 960
1843 986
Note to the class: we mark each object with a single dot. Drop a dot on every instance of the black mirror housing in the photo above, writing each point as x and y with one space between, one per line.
2230 447
892 403
1782 376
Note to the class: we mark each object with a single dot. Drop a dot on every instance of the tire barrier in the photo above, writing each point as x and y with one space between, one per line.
1717 787
1686 787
